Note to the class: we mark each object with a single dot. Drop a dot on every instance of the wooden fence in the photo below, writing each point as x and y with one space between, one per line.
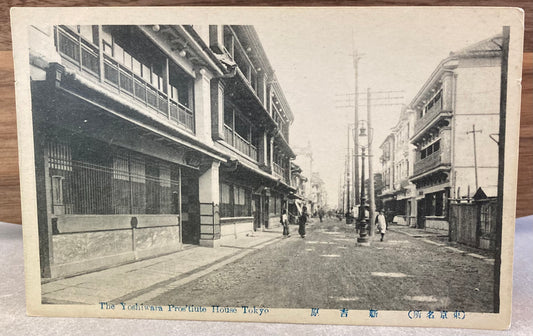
474 223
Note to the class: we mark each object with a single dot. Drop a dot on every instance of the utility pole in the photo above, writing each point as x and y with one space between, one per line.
348 175
374 99
473 131
370 138
340 198
356 58
501 160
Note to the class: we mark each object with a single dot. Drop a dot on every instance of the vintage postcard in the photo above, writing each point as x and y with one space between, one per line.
296 165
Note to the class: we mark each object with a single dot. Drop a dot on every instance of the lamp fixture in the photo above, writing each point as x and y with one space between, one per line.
362 131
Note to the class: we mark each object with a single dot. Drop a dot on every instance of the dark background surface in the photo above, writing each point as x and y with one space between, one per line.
9 177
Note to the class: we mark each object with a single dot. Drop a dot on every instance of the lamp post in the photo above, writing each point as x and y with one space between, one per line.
362 239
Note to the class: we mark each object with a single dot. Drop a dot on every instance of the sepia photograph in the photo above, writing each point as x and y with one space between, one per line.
278 165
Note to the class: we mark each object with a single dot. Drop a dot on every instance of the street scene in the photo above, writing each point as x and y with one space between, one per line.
384 277
206 165
301 273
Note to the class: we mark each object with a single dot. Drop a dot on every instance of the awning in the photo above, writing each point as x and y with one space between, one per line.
298 206
294 196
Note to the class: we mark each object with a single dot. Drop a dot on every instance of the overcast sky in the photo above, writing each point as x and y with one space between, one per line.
314 65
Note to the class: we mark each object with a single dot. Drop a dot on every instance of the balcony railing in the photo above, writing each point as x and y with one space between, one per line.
239 143
72 46
278 171
429 116
228 135
181 114
128 83
429 162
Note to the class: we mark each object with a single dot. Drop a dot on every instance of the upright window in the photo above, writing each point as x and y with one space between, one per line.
226 206
235 201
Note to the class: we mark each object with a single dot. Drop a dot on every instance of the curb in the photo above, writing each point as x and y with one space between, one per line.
157 289
450 248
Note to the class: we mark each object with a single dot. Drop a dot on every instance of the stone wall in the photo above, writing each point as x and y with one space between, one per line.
78 249
232 229
437 224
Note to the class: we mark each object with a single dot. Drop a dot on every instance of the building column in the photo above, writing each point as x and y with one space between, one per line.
261 87
262 149
45 221
269 99
209 197
445 141
202 105
217 109
271 154
447 91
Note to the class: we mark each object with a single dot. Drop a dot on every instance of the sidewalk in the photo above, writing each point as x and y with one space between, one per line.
145 279
439 238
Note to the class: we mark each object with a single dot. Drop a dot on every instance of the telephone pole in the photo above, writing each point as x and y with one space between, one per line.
473 132
348 175
374 99
371 195
356 58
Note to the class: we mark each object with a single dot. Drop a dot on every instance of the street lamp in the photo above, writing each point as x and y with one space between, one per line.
363 239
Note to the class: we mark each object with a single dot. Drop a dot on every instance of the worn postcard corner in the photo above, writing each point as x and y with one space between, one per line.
224 164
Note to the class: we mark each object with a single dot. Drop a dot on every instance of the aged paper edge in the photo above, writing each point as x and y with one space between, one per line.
22 18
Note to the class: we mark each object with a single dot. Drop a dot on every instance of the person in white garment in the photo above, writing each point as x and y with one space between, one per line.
285 223
381 224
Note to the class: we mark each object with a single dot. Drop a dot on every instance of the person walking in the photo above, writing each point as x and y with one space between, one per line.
381 224
285 223
302 222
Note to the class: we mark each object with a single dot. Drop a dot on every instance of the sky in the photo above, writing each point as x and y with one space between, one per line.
314 66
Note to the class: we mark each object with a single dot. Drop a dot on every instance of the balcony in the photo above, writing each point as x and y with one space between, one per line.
124 80
278 171
428 163
432 114
71 46
239 143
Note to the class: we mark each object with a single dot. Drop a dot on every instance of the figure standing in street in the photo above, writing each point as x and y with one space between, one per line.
381 224
285 223
302 222
321 214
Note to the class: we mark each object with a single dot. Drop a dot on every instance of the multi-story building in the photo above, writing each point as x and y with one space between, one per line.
319 196
398 195
304 160
460 96
387 171
150 137
296 199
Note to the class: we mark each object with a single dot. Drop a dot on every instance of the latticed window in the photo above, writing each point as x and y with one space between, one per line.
235 201
89 178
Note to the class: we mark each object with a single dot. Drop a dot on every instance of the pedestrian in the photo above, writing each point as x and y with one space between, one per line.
302 222
381 224
321 214
285 223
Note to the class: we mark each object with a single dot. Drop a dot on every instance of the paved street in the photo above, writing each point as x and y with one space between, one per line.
327 270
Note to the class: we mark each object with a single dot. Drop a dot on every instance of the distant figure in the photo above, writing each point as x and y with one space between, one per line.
285 223
381 224
302 222
321 214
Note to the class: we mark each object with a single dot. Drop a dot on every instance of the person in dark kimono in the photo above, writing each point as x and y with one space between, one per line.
302 222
